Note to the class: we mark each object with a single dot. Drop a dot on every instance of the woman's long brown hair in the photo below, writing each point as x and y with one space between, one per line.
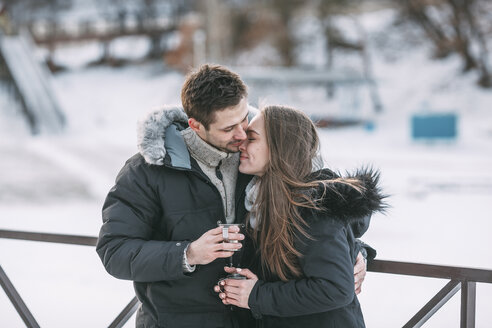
284 189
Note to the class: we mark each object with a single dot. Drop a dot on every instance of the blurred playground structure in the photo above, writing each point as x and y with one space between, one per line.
29 81
183 34
286 52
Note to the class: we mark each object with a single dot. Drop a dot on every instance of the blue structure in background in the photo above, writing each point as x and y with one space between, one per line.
431 126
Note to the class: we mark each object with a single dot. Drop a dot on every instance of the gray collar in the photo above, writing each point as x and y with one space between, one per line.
202 151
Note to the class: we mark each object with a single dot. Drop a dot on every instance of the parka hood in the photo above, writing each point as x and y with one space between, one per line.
155 128
346 203
158 135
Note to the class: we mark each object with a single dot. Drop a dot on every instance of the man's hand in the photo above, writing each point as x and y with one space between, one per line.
359 272
236 291
210 246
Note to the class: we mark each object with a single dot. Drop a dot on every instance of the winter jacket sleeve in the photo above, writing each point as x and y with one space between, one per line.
328 281
125 243
359 227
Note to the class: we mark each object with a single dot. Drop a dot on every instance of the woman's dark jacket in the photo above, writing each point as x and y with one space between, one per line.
160 203
324 296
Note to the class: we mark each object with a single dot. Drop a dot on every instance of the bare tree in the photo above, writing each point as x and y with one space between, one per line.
454 27
285 40
470 11
335 39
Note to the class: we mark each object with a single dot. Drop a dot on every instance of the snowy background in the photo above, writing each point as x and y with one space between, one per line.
441 192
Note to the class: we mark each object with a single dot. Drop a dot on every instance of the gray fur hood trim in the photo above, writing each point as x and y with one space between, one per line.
151 132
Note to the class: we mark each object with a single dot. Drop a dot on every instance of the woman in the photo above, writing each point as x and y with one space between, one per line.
303 224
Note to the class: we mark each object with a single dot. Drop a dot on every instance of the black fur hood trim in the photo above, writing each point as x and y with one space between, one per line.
344 202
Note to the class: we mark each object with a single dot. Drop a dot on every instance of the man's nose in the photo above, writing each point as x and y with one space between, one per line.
240 133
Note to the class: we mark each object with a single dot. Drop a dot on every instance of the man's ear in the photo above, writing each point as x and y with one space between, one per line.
194 124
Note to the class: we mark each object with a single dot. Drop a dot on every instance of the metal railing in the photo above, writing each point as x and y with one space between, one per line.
16 299
460 278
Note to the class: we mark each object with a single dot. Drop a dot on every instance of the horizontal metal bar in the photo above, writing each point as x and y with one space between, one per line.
125 314
17 301
430 271
382 266
49 237
434 304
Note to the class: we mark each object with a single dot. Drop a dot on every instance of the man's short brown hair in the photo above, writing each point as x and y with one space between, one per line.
209 89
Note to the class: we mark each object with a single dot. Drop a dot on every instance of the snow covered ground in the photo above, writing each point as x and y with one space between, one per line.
441 193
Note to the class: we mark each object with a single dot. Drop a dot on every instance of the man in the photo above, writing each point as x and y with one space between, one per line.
160 219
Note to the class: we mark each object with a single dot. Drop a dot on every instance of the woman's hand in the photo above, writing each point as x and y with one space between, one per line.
236 291
360 271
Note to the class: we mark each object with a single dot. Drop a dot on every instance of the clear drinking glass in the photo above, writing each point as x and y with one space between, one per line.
235 258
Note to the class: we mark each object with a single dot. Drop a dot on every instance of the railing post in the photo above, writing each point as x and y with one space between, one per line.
468 297
17 301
